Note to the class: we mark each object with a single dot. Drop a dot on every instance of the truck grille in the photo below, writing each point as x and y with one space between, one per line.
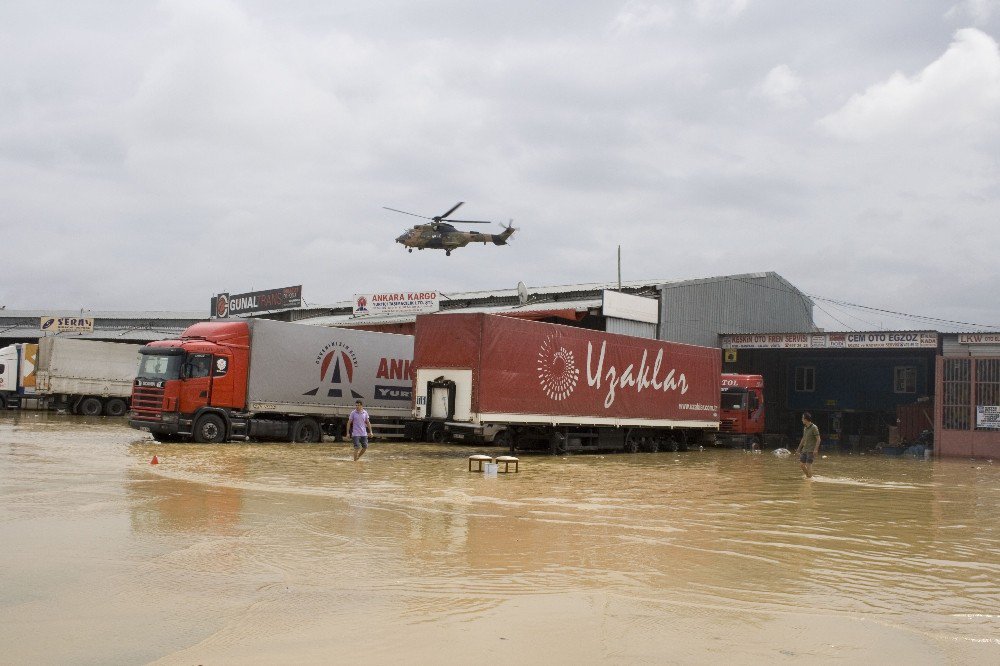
147 402
727 425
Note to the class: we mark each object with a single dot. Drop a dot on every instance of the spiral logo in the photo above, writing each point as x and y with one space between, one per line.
557 371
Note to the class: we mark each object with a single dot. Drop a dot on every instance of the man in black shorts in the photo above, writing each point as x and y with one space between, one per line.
809 445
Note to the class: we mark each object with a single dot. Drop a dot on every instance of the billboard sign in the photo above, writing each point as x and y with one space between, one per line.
396 303
67 324
873 340
235 305
633 308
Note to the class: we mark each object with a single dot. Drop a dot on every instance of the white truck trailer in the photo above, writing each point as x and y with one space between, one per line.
86 377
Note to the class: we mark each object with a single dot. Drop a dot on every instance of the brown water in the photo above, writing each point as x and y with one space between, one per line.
280 553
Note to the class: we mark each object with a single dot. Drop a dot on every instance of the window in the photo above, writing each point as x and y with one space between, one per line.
905 379
805 379
2 368
199 365
957 394
987 386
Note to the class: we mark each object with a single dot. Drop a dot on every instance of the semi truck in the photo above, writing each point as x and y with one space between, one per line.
258 379
741 423
17 374
87 377
530 385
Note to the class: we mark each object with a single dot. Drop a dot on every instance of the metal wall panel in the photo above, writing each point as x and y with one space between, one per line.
638 329
698 311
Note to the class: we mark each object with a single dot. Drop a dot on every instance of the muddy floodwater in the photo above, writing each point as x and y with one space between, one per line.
278 553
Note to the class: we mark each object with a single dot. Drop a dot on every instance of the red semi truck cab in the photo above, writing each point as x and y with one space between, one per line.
741 417
178 380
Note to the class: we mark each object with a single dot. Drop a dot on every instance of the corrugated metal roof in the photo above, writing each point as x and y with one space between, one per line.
197 315
350 320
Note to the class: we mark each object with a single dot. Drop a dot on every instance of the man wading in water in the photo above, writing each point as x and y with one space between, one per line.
809 446
359 428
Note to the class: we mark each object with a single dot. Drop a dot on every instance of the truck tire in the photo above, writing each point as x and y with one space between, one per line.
3 402
306 431
435 433
210 429
115 407
90 407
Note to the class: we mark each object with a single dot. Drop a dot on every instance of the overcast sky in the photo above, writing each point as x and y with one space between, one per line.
153 154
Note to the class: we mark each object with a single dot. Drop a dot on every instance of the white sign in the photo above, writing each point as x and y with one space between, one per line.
988 417
633 308
879 340
396 303
67 324
979 338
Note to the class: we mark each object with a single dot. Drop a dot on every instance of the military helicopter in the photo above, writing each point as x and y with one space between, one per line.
440 234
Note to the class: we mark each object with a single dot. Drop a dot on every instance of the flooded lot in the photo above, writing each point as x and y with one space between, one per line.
283 553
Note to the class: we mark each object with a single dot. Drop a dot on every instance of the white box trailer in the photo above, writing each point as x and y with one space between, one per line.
87 377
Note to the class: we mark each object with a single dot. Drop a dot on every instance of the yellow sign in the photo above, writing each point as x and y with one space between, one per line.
730 356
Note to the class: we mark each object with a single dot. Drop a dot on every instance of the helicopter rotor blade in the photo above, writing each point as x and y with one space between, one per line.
396 210
453 209
468 221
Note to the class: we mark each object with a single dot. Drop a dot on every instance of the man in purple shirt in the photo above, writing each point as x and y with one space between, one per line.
359 428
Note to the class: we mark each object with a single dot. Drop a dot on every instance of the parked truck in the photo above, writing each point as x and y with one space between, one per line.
742 415
86 377
17 374
529 385
263 379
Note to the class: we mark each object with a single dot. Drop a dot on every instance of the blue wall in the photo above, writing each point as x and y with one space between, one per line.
844 384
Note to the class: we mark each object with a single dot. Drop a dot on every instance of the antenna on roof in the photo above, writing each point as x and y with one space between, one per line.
619 268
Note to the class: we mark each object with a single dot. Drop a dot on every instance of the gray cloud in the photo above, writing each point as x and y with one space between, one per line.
153 154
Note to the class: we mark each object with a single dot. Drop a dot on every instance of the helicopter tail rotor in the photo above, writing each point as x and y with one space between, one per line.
508 231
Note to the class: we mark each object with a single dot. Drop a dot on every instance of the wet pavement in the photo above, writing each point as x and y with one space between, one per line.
270 553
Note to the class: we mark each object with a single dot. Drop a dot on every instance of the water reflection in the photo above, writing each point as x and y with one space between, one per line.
632 556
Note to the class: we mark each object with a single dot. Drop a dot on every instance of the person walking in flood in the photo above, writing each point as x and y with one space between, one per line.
359 428
809 445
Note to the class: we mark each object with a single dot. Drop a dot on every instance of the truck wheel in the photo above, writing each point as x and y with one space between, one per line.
210 429
306 431
504 439
3 402
90 407
632 443
115 407
435 433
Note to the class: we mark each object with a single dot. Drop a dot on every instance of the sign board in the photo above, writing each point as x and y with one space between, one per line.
875 340
631 307
979 338
234 305
67 324
729 356
396 303
988 417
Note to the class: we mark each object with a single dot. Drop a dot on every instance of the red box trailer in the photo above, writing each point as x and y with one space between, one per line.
533 385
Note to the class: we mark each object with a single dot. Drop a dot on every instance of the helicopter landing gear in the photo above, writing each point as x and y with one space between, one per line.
447 253
409 249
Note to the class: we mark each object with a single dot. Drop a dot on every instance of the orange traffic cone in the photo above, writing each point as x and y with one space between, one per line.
154 461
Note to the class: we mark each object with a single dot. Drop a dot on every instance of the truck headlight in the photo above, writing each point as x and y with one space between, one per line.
169 418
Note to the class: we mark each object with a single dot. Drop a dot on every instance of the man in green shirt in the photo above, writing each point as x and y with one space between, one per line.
809 446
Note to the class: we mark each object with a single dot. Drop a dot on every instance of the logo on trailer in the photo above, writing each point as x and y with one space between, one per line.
337 365
222 306
557 371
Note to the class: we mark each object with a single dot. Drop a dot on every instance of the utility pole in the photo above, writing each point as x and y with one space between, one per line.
619 268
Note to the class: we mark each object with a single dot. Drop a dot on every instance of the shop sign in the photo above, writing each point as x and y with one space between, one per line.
234 305
988 417
396 303
979 338
876 340
67 324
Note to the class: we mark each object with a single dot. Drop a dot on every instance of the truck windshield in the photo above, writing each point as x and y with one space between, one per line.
733 399
155 366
